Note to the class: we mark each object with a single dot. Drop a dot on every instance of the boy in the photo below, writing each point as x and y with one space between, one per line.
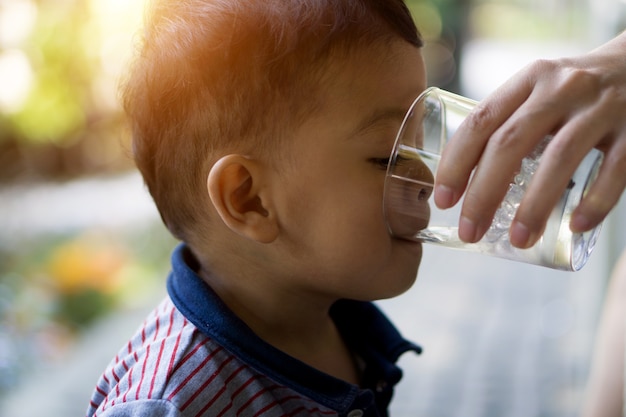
262 129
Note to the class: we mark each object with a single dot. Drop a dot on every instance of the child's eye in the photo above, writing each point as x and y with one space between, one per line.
381 163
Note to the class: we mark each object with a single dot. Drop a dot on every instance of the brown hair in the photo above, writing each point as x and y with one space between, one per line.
214 76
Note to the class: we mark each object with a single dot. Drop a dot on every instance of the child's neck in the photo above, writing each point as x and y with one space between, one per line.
298 326
325 350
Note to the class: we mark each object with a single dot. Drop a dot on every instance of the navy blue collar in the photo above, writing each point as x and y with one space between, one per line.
368 333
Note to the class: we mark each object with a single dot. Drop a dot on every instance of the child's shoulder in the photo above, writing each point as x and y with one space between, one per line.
157 363
171 367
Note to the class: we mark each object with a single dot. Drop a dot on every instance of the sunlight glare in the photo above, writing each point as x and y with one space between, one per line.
16 77
17 18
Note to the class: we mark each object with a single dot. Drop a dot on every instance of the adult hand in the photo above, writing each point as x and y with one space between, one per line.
582 102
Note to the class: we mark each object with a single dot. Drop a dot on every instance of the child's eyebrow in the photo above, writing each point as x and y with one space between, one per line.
378 116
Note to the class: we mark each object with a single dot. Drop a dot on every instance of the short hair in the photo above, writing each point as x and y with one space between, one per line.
217 76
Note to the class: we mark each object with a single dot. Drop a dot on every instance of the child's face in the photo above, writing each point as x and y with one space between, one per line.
334 226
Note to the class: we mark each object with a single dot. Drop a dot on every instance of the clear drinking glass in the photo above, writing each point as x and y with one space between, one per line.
411 214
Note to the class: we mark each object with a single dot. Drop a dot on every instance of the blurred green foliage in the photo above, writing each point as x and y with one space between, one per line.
62 119
58 104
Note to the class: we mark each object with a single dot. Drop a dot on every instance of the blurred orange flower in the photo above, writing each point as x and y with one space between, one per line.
89 262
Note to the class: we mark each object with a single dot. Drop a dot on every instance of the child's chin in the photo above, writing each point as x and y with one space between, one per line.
403 280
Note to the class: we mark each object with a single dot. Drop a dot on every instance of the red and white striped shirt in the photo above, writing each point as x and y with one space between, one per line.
193 357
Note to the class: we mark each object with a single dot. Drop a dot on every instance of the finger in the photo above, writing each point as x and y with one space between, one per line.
559 161
605 193
611 181
502 157
550 180
464 150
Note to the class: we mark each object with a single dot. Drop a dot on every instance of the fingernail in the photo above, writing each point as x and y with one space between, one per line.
444 196
580 223
467 230
519 235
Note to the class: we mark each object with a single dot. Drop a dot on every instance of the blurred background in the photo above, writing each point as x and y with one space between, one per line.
83 255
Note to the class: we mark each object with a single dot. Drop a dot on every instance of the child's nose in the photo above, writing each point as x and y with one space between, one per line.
408 208
418 171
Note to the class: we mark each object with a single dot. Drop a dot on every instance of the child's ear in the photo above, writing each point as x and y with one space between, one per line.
235 186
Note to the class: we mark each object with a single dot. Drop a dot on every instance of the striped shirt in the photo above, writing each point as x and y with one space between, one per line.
193 357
